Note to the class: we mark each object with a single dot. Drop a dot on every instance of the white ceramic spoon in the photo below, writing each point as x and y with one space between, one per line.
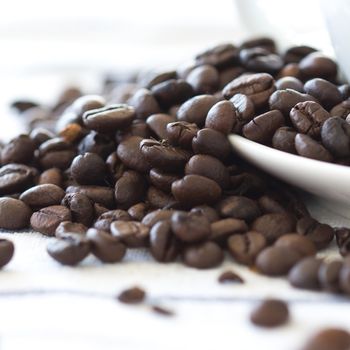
326 180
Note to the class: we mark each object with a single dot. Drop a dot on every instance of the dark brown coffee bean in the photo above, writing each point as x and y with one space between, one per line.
195 109
162 311
320 234
132 233
69 250
23 105
244 248
144 104
133 295
342 235
284 139
129 189
81 207
15 178
262 128
68 228
296 53
195 190
157 215
344 91
303 245
276 261
190 227
219 56
224 228
329 339
130 154
290 70
210 213
204 79
7 249
239 207
245 111
51 176
158 124
228 74
341 110
258 87
328 276
211 142
273 226
163 244
155 77
221 117
203 256
14 214
47 219
104 221
316 65
229 277
292 83
309 148
138 211
72 133
98 194
344 277
247 184
18 150
40 135
97 143
161 179
159 199
269 205
263 42
181 133
104 246
270 313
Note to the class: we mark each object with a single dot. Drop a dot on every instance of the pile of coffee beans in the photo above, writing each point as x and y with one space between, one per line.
147 163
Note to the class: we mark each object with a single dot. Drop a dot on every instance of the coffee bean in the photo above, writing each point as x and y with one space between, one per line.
262 128
132 233
270 313
245 111
219 56
158 124
51 176
72 132
42 196
163 244
342 235
159 199
7 249
68 251
258 87
284 139
309 148
247 184
181 133
97 143
18 150
290 70
239 207
15 178
138 211
133 295
161 179
211 142
157 215
194 190
222 229
341 110
328 276
209 212
23 105
204 79
105 247
40 135
14 214
68 228
296 53
244 248
288 82
269 205
47 219
263 42
162 311
144 104
99 194
156 77
329 338
228 74
344 91
105 220
316 65
344 276
304 274
229 277
273 226
301 244
203 255
221 117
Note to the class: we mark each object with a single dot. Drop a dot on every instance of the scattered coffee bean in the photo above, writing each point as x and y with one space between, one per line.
42 196
162 311
329 338
328 276
14 214
230 277
303 245
7 249
133 295
134 234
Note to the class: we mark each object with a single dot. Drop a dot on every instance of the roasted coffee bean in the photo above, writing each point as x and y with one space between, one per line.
344 277
239 207
320 234
230 277
222 229
328 276
263 42
158 124
129 189
219 56
104 246
40 135
104 221
342 235
162 310
163 244
130 154
290 70
138 211
155 77
18 150
304 274
245 111
7 249
51 176
316 65
221 117
132 233
284 139
262 128
292 83
247 184
159 199
210 213
88 169
273 226
344 249
308 118
15 178
133 295
211 142
303 245
190 227
161 179
276 261
229 74
244 248
195 109
81 207
97 143
98 194
203 255
269 205
204 79
309 148
335 136
69 250
296 53
345 91
270 313
330 338
164 156
341 110
209 167
68 228
14 214
258 87
144 104
42 196
47 219
285 100
194 190
157 215
72 133
181 133
172 92
22 105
